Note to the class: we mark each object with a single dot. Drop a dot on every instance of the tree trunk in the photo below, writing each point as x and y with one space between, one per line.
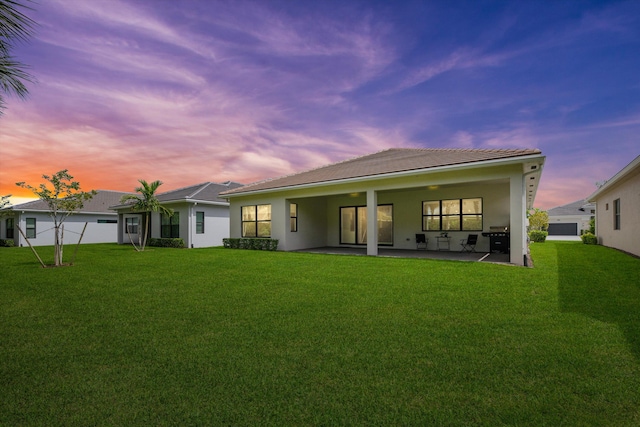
146 230
58 232
132 242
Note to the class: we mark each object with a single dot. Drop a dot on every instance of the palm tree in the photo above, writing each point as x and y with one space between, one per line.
146 202
14 25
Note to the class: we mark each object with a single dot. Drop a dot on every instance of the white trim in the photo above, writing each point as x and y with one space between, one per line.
615 179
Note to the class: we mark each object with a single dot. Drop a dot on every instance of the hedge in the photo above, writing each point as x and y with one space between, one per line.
589 239
538 236
260 244
166 242
6 243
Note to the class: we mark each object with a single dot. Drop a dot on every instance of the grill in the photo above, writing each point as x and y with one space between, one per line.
499 239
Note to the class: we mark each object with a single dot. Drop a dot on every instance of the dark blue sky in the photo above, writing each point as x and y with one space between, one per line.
191 91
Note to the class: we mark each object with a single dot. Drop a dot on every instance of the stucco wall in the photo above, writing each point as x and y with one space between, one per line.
320 207
73 225
627 237
216 224
407 212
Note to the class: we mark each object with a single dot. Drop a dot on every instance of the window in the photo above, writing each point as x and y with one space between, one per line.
107 221
452 215
31 228
256 221
10 226
293 217
353 225
616 214
132 225
199 222
170 226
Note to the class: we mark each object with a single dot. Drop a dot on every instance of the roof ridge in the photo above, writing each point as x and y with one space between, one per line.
184 188
202 187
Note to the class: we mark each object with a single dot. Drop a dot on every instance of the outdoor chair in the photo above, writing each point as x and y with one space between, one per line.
469 244
421 242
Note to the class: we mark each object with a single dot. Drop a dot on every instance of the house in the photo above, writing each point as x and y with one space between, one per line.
200 218
34 220
618 210
386 198
571 219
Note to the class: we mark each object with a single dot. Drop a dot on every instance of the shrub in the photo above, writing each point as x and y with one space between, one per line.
538 236
6 243
166 242
589 239
251 243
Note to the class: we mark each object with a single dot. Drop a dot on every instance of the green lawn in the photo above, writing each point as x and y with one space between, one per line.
232 337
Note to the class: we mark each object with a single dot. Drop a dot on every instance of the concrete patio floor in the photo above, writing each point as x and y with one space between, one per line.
403 253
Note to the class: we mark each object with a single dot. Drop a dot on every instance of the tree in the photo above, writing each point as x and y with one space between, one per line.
4 201
14 26
146 202
63 197
538 220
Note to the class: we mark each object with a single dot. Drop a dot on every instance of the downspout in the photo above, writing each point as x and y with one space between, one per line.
524 189
191 219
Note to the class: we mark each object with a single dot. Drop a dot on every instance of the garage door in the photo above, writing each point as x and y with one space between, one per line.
563 229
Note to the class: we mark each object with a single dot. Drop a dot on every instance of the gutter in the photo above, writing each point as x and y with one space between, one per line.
617 177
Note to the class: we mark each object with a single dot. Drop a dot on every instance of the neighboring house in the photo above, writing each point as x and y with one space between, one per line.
571 219
386 198
200 218
618 210
34 220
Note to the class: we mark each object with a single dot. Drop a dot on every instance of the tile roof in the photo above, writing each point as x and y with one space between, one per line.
579 207
98 203
206 191
385 162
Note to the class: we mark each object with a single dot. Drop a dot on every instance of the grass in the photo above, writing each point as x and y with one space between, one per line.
233 337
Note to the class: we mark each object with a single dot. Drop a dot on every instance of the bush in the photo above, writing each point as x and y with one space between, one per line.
6 243
167 243
589 239
538 236
251 243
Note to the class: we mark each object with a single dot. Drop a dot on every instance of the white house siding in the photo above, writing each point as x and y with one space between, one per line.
216 226
627 238
500 187
73 225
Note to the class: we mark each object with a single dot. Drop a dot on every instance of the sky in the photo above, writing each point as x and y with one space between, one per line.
189 91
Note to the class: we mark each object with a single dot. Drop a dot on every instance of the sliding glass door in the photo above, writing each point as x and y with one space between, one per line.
353 225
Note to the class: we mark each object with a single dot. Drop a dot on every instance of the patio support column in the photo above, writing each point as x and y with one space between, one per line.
372 223
518 229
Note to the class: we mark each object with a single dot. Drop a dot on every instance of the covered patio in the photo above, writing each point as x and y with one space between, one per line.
493 257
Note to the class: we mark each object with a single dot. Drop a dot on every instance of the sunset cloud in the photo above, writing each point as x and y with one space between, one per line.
213 91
